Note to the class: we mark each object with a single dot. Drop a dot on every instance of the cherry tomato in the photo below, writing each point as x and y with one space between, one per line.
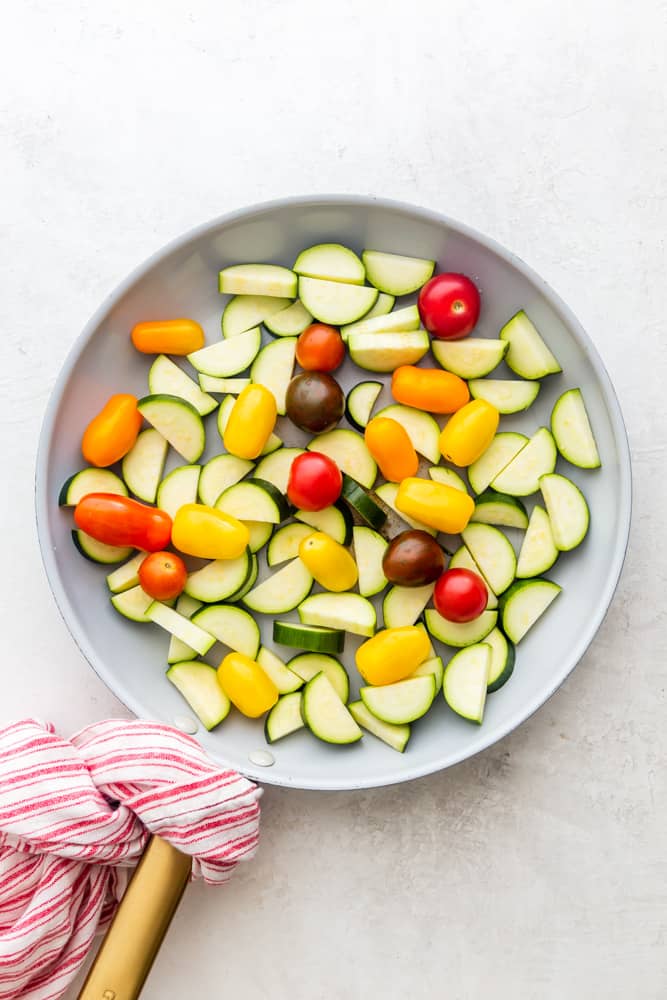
117 520
460 595
315 402
320 348
449 306
162 575
315 481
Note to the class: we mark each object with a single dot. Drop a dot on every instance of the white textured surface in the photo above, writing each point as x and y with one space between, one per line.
536 870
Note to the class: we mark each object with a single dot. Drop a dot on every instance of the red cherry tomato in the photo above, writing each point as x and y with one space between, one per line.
460 595
315 481
320 348
117 520
162 575
449 306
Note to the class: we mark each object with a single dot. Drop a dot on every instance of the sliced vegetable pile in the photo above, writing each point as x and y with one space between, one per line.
278 529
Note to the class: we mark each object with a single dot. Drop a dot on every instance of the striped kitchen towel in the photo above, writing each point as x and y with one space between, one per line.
75 816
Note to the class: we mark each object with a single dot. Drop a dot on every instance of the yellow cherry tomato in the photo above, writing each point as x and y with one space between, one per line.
251 422
435 504
110 435
392 654
328 562
469 432
168 336
246 685
208 533
392 449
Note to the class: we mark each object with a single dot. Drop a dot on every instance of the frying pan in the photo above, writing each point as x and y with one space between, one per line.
181 280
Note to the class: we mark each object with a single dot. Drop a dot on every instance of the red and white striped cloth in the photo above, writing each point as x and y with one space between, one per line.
75 816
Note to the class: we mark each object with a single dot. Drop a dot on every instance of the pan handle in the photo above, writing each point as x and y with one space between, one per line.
140 924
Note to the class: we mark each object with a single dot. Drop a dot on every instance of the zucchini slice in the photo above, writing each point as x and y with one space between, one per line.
231 386
198 683
348 450
332 262
181 627
284 718
219 579
273 368
282 591
275 468
528 355
258 279
179 650
460 634
383 305
403 605
524 603
538 552
431 666
98 552
506 395
144 463
219 474
385 352
567 509
500 508
360 402
347 611
334 302
396 737
502 659
244 312
446 476
369 550
177 421
335 521
165 378
362 503
400 321
503 449
307 665
133 604
394 274
90 481
473 357
178 488
285 543
466 679
286 680
536 459
311 637
126 576
228 357
572 431
493 553
252 576
231 626
402 702
291 322
325 714
254 500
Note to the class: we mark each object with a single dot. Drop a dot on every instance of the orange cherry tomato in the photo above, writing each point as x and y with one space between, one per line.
392 449
117 520
168 336
162 575
429 389
320 348
112 433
